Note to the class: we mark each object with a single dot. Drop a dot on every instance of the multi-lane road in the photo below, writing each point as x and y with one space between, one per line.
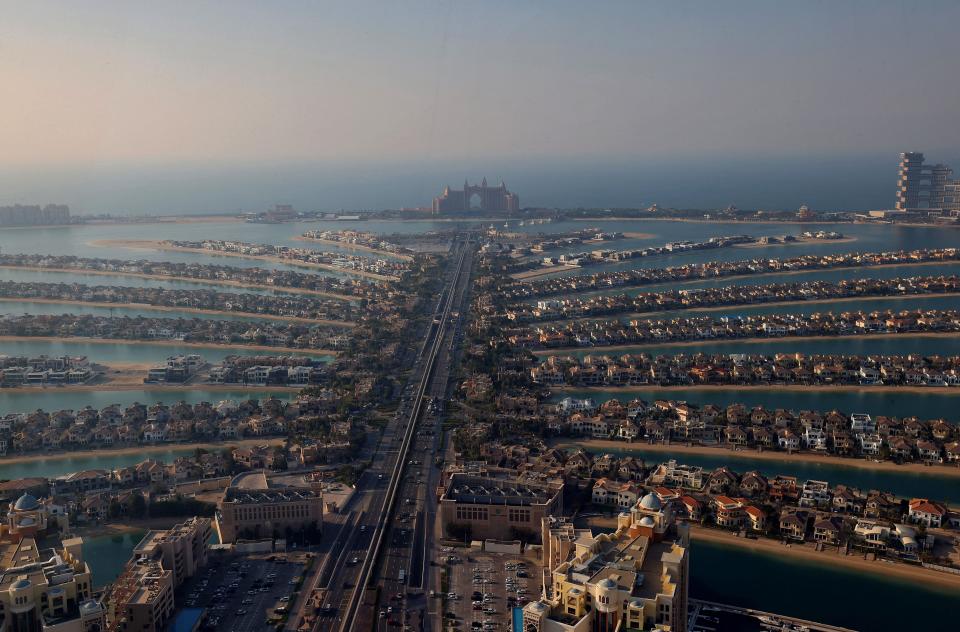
379 557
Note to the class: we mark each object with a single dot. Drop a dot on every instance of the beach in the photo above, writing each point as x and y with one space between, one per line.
184 310
830 556
166 343
736 341
539 272
163 277
358 247
106 452
149 244
599 445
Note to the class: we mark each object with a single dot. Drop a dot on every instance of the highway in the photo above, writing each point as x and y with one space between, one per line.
388 524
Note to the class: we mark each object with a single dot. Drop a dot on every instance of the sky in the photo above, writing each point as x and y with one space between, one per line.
101 89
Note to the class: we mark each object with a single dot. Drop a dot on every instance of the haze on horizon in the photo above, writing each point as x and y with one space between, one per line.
443 90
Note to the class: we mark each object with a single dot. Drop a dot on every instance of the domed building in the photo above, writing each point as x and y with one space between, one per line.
27 518
30 516
635 578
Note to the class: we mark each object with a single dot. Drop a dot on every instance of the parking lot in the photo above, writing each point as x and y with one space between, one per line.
484 589
241 593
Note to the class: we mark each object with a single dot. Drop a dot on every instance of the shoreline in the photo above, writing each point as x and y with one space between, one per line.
184 310
163 277
148 244
720 308
898 570
753 454
166 388
848 388
734 277
128 450
358 247
556 269
167 343
749 341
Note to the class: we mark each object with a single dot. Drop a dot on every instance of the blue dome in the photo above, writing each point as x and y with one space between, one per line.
27 502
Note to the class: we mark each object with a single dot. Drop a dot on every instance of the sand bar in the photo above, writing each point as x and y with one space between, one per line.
835 388
166 277
357 247
734 341
598 445
184 310
168 343
149 244
720 308
122 386
125 451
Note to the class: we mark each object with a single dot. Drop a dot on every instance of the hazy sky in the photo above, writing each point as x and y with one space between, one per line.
145 82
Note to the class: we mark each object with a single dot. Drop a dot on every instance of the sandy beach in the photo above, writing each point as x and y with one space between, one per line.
184 310
163 277
626 390
735 341
539 272
358 247
167 343
73 454
149 244
830 556
598 445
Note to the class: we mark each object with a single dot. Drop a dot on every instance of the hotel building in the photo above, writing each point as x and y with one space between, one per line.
922 186
635 578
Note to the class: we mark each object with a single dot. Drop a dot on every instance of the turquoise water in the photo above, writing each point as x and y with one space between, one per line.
904 483
887 345
107 554
932 404
51 399
818 591
120 352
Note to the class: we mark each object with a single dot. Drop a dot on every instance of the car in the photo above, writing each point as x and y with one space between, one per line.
241 612
247 601
284 599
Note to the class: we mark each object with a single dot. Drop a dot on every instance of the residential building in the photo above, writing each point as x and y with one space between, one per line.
926 512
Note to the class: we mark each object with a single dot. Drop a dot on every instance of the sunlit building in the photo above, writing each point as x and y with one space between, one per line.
635 578
922 187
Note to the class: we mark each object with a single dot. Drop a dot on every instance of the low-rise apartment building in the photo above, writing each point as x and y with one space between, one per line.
264 513
498 508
